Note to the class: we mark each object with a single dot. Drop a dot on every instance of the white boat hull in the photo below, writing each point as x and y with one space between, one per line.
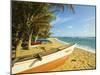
48 62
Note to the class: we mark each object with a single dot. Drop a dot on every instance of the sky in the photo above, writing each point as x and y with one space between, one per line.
78 24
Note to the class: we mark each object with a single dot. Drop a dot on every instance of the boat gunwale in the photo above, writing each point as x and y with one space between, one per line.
32 57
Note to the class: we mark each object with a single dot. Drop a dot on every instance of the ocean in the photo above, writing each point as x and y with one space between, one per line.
88 43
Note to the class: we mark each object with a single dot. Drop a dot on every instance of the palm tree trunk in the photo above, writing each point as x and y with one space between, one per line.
18 47
36 37
29 42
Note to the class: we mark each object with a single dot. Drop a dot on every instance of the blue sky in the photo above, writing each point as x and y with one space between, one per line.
78 24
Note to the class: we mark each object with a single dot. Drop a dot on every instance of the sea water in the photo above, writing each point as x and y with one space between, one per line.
88 43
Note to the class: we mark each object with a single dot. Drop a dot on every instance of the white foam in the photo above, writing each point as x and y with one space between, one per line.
86 48
61 41
79 46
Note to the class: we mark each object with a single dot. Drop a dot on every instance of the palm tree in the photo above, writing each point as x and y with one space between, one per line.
32 19
24 19
37 24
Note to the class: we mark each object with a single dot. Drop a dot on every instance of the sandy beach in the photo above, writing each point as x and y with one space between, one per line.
79 60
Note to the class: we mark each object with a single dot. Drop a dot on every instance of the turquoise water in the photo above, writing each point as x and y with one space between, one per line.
88 42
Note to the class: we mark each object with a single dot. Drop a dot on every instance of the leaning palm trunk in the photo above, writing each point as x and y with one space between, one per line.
29 42
18 47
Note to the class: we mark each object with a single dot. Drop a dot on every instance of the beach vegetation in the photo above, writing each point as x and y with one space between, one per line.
31 21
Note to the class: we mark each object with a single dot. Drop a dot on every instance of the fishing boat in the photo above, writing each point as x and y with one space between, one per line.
48 62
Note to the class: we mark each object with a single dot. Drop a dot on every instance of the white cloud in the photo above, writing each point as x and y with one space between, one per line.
60 20
86 25
89 19
70 27
89 26
85 31
58 31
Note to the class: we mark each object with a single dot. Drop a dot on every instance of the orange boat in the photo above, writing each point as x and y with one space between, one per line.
47 63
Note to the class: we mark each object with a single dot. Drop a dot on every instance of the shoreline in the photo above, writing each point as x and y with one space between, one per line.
86 49
78 46
79 59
